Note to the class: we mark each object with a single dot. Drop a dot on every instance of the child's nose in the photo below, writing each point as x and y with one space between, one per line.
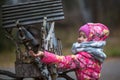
80 39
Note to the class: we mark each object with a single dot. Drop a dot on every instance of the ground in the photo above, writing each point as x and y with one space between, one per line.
110 70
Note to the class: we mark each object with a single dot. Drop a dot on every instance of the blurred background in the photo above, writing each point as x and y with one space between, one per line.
77 13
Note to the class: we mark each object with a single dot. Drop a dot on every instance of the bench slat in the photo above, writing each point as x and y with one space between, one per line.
32 12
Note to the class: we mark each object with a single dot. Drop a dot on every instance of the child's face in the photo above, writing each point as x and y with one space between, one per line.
82 37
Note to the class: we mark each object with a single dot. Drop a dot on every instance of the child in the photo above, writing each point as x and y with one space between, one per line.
88 53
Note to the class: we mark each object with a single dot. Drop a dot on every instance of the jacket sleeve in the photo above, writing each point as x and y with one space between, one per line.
65 62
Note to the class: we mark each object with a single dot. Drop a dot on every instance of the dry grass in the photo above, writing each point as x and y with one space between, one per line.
68 36
7 59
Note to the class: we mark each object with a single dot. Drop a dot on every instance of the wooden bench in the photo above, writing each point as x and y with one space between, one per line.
30 13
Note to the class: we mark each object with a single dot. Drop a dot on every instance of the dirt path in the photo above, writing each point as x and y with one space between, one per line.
110 70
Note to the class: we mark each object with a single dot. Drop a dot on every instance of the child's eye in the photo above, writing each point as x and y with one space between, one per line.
84 36
79 36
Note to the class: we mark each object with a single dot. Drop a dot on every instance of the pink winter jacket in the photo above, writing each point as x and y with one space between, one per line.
86 67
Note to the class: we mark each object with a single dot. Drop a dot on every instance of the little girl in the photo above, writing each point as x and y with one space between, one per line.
88 53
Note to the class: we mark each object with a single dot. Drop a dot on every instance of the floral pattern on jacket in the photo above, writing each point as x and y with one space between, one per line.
86 67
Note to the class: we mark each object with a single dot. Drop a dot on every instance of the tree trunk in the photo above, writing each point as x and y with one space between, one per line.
85 11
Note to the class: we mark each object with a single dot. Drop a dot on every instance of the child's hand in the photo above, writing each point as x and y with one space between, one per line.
39 54
32 53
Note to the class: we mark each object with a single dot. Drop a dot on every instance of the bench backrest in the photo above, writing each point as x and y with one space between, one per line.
32 12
